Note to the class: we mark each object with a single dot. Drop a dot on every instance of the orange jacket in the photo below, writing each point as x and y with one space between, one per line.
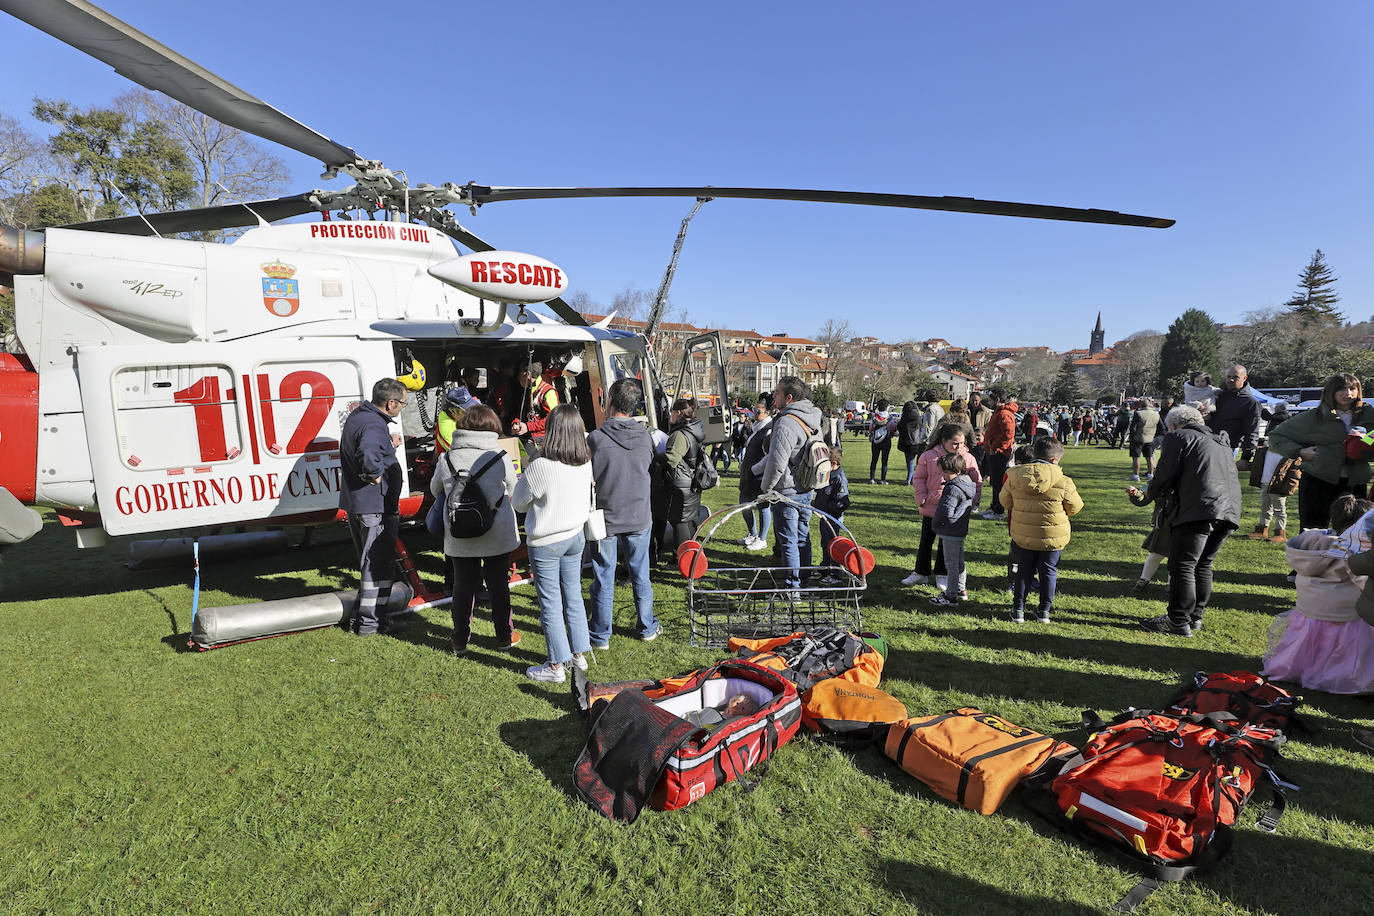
1000 436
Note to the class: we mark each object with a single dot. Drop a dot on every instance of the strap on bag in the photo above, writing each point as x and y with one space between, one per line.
749 780
971 764
472 475
911 730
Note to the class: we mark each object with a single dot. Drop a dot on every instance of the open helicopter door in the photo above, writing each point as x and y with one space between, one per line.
624 360
229 433
702 376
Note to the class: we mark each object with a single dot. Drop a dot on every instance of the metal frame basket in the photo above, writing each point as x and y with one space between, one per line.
754 601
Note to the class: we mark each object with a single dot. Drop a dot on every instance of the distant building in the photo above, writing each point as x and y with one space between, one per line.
1097 345
757 369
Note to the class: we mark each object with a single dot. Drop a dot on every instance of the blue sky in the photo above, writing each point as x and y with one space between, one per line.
1246 122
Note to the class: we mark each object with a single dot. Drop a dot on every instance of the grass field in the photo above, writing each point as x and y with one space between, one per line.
321 773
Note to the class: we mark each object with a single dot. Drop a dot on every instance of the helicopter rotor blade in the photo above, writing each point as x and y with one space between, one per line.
476 243
149 63
484 194
229 216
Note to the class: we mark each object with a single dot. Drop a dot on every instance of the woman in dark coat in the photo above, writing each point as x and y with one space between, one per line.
685 452
1197 474
909 436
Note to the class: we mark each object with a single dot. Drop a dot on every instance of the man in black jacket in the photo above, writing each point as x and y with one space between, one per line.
1237 413
1197 478
622 454
370 491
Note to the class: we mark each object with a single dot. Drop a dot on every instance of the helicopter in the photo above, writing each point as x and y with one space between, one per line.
162 384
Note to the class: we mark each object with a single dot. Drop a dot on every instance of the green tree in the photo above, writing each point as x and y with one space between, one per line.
1192 343
106 157
1066 388
824 397
1315 299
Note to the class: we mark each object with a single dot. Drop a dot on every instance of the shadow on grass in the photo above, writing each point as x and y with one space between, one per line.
1105 651
551 746
1290 867
913 881
1076 689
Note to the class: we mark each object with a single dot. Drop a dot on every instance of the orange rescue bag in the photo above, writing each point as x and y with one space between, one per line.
969 756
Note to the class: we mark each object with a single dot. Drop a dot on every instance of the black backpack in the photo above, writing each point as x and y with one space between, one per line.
704 475
469 513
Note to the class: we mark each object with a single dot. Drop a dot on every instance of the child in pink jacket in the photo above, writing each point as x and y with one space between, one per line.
926 486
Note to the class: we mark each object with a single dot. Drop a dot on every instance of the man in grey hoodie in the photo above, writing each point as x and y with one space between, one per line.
622 453
797 418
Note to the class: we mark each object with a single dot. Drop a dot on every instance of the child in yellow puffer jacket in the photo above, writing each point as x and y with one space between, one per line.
1039 498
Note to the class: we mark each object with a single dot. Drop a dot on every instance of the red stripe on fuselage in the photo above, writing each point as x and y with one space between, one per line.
252 424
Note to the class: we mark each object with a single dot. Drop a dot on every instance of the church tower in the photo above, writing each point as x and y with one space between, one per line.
1097 346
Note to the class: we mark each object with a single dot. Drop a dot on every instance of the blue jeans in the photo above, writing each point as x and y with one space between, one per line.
1028 562
603 583
828 533
557 572
793 537
765 519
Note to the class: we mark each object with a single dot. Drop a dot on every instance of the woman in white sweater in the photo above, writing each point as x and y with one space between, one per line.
555 491
474 449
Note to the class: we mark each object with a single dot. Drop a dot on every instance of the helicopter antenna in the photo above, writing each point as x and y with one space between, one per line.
261 221
661 297
132 207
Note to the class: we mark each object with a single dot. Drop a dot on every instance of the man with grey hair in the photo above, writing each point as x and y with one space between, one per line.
1197 477
1144 428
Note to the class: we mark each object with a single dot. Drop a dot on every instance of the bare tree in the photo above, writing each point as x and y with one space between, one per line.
228 165
22 158
1138 360
1034 372
835 334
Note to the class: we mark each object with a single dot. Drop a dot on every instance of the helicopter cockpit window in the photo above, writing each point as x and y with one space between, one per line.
626 365
176 416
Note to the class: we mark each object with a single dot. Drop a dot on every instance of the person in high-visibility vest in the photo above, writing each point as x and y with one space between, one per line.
538 400
456 402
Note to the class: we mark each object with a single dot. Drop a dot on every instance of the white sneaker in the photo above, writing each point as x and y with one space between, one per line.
915 579
581 662
551 673
758 544
1135 476
993 516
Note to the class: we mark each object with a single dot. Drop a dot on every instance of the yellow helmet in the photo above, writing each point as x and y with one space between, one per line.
415 379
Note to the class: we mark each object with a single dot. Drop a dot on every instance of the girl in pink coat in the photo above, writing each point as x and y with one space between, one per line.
926 486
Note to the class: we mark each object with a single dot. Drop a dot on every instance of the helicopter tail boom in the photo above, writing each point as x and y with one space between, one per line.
21 252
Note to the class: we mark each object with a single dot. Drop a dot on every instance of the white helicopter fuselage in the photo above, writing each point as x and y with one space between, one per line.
184 384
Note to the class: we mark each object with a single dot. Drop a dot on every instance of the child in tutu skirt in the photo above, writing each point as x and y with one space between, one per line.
1322 643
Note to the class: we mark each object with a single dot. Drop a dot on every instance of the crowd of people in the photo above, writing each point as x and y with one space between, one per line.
637 493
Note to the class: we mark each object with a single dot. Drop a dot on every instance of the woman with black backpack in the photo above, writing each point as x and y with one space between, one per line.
685 452
476 460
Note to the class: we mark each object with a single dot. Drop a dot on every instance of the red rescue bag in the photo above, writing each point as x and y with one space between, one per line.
668 743
1164 791
1248 697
